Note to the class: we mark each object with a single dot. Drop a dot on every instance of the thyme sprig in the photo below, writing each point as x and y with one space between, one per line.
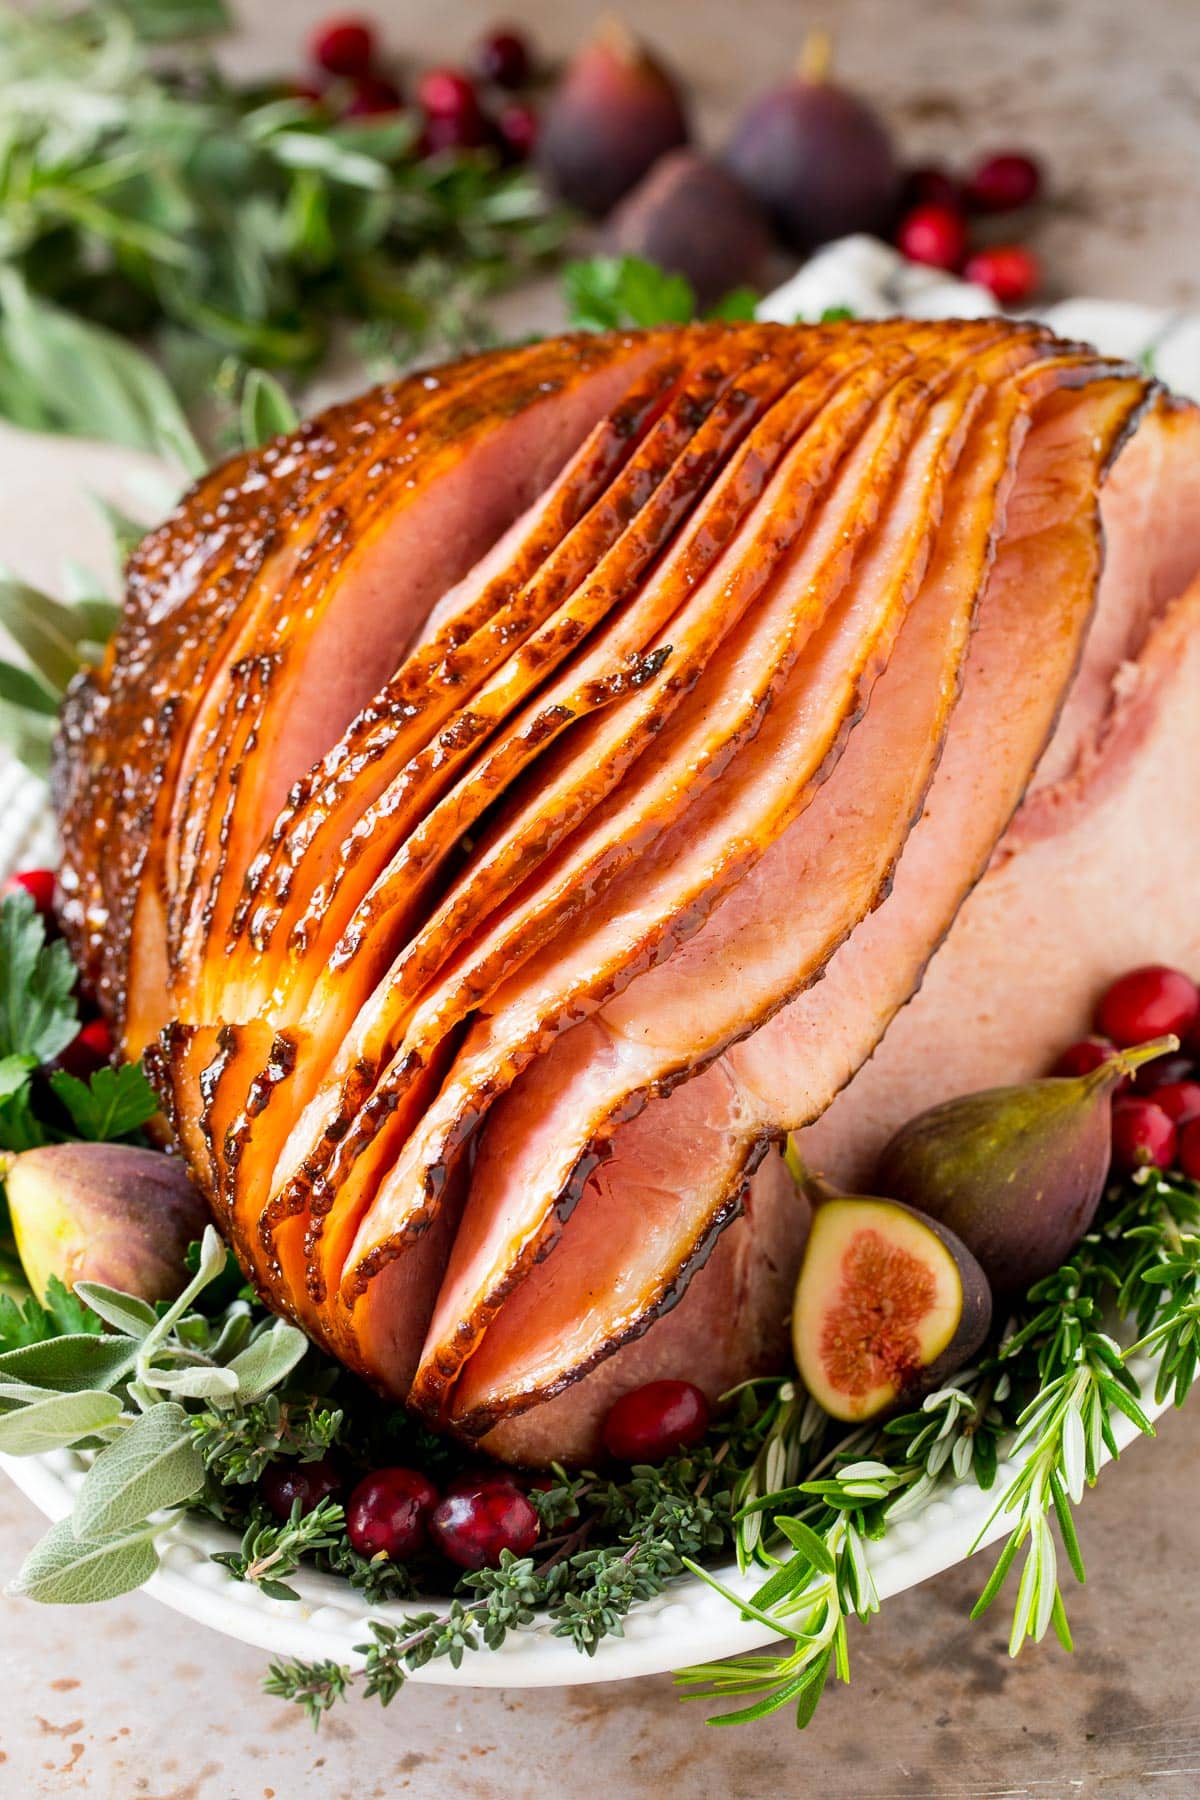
271 1549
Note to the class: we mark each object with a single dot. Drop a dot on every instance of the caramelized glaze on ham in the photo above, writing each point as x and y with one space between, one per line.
514 801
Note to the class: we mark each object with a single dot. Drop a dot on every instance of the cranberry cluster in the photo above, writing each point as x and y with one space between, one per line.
352 79
398 1513
1156 1115
935 225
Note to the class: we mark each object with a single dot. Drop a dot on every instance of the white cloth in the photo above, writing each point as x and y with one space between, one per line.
874 281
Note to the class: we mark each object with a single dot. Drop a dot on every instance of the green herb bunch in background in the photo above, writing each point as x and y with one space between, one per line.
228 226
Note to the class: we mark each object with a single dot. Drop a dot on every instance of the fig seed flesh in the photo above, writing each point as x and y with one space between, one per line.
887 1306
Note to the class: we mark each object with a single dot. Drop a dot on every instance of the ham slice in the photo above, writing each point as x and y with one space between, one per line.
1092 875
515 801
730 1099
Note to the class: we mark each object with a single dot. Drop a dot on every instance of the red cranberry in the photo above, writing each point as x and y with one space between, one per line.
931 186
1163 1071
344 46
479 1517
517 129
281 1484
1008 271
90 1049
933 234
503 57
373 94
1088 1054
1180 1100
1142 1135
388 1513
447 94
467 132
38 884
648 1424
1189 1149
1148 1003
1003 182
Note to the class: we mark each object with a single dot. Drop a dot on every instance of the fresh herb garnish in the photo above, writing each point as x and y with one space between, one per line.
609 293
1053 1390
129 1391
32 1321
220 222
774 1480
111 1104
270 1549
39 1017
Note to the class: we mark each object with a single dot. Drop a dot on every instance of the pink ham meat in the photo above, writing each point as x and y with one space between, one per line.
1095 874
522 797
725 1104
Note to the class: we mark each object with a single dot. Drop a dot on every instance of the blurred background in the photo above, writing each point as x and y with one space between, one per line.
312 190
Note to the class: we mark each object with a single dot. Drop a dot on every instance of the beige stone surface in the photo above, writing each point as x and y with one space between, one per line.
128 1702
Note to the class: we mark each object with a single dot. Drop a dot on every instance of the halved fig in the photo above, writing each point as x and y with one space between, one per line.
888 1305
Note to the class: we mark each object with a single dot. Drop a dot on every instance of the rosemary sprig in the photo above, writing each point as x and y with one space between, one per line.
1048 1398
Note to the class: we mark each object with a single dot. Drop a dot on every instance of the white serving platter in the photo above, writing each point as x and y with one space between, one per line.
687 1624
47 520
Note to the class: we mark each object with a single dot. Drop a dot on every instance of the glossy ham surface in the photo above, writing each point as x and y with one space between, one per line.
517 799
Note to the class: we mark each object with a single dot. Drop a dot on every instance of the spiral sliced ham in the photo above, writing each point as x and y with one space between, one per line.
515 801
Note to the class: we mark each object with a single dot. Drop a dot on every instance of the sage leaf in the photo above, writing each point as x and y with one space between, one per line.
193 1384
21 1393
88 381
29 737
266 409
57 1420
73 1363
48 632
125 1312
19 688
307 150
156 1463
67 1571
263 1364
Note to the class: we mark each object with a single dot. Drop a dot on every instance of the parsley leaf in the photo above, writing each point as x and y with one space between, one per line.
36 1322
14 1074
38 1015
113 1103
607 292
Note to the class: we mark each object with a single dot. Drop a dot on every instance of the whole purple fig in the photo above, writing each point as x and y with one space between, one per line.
693 217
112 1213
1015 1172
817 158
616 111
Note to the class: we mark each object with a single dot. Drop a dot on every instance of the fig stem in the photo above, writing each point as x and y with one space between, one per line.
1107 1074
815 1188
615 35
816 58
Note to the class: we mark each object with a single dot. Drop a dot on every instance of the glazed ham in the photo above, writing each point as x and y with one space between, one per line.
515 801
